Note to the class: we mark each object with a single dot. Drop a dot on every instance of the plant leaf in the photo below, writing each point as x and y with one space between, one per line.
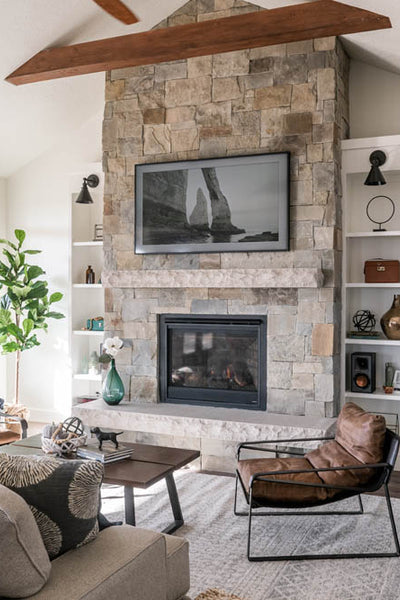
34 272
20 235
55 315
28 325
56 297
32 251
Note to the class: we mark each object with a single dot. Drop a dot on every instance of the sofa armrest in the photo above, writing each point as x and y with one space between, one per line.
122 562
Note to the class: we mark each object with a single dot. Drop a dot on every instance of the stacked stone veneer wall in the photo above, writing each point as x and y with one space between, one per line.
288 97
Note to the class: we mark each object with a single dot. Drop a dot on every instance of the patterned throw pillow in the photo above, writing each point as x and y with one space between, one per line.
63 495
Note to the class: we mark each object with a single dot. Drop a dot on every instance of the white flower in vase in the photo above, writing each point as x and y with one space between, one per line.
111 347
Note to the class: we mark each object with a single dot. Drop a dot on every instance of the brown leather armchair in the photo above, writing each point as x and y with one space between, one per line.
359 459
13 427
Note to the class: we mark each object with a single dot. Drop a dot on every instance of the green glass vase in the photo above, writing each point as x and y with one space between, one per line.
113 388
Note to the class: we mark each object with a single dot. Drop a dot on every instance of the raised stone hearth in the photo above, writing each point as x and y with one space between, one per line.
214 431
291 97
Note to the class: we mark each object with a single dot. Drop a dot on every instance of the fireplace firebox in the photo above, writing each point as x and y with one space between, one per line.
213 360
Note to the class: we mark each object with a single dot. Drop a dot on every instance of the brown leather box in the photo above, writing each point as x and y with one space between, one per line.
382 271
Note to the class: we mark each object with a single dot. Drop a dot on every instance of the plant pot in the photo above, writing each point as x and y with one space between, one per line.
390 322
113 388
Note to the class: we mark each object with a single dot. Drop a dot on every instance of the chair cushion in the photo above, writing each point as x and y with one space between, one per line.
274 494
360 433
333 454
6 437
24 563
63 495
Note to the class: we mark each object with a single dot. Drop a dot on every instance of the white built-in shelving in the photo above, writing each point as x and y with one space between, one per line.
371 342
94 244
361 243
87 300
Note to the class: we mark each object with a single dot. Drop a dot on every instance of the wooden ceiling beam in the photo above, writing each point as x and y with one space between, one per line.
252 30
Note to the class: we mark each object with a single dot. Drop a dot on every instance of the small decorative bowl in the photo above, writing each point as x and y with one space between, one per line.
388 389
63 447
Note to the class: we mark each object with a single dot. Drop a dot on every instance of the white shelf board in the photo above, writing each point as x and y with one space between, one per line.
372 285
377 395
378 342
86 286
87 377
366 234
86 332
89 243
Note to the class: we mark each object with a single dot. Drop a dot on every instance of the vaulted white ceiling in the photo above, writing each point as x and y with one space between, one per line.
36 116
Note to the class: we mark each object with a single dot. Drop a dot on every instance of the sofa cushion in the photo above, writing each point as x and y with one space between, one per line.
274 494
178 574
122 562
362 434
63 495
24 563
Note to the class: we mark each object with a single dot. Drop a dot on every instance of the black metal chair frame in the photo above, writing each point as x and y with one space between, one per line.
14 419
391 450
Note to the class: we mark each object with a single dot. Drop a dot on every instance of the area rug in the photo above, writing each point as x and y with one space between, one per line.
216 595
218 544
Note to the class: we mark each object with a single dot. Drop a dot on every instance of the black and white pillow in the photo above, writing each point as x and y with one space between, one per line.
63 495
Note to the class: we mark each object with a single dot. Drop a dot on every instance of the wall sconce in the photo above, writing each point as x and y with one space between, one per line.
375 177
84 196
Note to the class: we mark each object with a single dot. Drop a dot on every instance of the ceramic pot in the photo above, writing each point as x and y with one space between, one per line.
113 388
390 322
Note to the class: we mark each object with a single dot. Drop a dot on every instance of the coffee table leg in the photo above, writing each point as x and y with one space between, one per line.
175 505
129 505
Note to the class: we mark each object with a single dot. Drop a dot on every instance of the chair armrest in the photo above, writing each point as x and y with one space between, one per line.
11 417
15 419
264 476
249 445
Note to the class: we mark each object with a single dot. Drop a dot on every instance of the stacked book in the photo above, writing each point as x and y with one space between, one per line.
106 455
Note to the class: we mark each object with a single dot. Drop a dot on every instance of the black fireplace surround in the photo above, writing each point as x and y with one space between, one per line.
213 360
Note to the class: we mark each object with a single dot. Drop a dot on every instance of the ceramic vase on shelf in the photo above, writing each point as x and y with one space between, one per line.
390 322
113 388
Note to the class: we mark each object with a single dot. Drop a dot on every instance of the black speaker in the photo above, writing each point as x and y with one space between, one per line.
363 372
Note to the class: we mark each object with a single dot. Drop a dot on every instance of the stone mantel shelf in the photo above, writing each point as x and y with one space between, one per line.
215 278
202 422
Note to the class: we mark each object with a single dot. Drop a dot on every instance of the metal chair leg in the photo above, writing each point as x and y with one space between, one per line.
392 521
249 525
326 556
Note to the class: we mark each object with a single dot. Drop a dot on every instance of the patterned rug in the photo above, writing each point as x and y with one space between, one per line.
216 595
218 545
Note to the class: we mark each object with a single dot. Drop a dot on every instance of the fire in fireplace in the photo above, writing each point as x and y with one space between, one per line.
213 360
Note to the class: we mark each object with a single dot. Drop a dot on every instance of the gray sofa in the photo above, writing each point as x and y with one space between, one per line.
123 562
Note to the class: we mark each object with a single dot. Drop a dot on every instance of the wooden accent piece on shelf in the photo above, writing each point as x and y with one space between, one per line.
252 30
119 10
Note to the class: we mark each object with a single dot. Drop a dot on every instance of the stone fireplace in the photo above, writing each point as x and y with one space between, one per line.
291 97
213 360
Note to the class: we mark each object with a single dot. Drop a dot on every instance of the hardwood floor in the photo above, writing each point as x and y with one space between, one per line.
394 486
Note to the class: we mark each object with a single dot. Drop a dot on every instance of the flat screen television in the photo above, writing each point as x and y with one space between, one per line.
234 204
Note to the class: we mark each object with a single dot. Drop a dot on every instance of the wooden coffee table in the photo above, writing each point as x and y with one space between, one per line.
147 466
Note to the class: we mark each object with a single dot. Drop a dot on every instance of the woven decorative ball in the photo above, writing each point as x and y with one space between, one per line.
63 446
73 425
364 320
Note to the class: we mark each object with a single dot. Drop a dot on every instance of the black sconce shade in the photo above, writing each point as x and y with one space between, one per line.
84 195
375 177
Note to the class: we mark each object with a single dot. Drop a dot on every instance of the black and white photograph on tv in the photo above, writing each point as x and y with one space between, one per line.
230 204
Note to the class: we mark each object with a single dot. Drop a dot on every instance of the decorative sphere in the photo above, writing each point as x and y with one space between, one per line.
364 320
73 425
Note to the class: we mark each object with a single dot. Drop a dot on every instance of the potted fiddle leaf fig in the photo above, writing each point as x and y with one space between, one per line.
25 302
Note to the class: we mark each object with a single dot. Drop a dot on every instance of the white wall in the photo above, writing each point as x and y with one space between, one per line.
3 233
38 200
374 101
